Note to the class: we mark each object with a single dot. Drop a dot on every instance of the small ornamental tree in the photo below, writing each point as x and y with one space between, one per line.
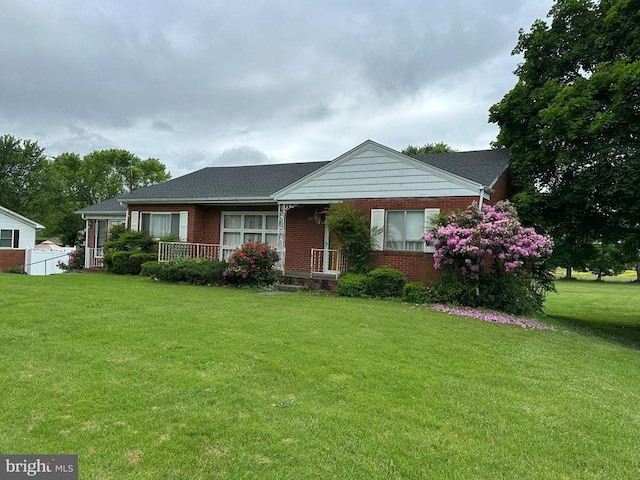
252 265
489 259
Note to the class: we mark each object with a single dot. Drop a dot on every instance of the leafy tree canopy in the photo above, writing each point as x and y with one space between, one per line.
50 190
572 122
22 176
439 147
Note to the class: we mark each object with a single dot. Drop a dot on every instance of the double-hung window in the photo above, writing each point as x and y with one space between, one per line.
9 238
161 224
401 230
404 229
239 228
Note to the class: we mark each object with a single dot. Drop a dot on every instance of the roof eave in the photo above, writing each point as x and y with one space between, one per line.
208 201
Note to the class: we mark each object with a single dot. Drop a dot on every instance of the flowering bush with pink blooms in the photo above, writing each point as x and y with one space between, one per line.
489 259
252 265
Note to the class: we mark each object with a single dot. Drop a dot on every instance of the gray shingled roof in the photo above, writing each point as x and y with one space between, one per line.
252 181
108 206
261 181
481 166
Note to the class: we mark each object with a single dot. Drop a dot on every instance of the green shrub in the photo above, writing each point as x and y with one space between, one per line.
196 271
16 269
353 285
416 292
385 282
135 242
137 259
514 294
151 269
120 263
351 233
116 231
252 265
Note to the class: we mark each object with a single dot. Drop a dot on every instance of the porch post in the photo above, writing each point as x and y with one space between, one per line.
283 208
87 260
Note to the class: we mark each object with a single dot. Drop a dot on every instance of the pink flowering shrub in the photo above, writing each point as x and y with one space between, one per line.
76 261
252 265
489 259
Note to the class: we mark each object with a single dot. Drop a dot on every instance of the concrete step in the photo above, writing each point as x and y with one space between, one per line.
289 288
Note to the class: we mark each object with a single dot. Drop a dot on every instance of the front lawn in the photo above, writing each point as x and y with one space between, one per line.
148 380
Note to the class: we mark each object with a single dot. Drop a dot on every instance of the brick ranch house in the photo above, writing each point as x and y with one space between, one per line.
216 209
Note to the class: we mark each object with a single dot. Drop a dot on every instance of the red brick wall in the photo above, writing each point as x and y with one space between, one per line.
502 189
417 266
302 234
91 234
11 258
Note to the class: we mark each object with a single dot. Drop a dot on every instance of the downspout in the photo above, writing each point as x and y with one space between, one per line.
480 201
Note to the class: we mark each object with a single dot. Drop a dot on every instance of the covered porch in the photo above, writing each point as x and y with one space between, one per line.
324 263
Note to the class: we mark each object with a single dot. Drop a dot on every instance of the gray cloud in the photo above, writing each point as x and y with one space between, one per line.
301 79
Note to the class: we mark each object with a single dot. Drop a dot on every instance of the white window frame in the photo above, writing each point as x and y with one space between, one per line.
379 225
14 240
227 250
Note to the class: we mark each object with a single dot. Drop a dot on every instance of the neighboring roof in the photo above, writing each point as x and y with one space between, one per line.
111 206
20 218
256 182
481 166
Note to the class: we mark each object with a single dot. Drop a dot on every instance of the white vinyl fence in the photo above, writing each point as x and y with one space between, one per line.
45 262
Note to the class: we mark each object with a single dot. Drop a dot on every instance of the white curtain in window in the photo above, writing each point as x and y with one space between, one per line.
231 239
160 225
233 221
253 222
395 231
414 229
271 239
252 237
272 222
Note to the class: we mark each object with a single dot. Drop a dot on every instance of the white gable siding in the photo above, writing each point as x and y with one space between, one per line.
27 237
372 174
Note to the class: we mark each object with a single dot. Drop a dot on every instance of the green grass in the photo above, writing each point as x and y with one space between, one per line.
611 310
148 380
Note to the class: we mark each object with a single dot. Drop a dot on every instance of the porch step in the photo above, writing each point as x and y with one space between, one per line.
289 288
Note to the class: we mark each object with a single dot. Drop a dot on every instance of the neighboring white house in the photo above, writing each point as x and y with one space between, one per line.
17 231
17 234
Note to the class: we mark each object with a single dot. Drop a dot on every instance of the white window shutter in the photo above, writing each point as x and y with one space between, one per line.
377 223
135 215
184 219
428 214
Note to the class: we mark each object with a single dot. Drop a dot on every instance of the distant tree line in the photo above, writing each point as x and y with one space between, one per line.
50 190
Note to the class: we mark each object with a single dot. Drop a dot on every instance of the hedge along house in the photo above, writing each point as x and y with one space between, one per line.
17 235
214 210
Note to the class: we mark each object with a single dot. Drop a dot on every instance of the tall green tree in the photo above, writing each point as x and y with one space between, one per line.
440 147
572 121
23 175
98 176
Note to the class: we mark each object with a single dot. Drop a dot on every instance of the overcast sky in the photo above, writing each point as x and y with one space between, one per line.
206 83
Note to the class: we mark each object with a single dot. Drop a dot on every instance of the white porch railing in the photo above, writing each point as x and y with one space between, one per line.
168 251
327 262
94 257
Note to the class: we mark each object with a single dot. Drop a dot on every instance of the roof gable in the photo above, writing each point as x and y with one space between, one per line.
371 170
19 218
